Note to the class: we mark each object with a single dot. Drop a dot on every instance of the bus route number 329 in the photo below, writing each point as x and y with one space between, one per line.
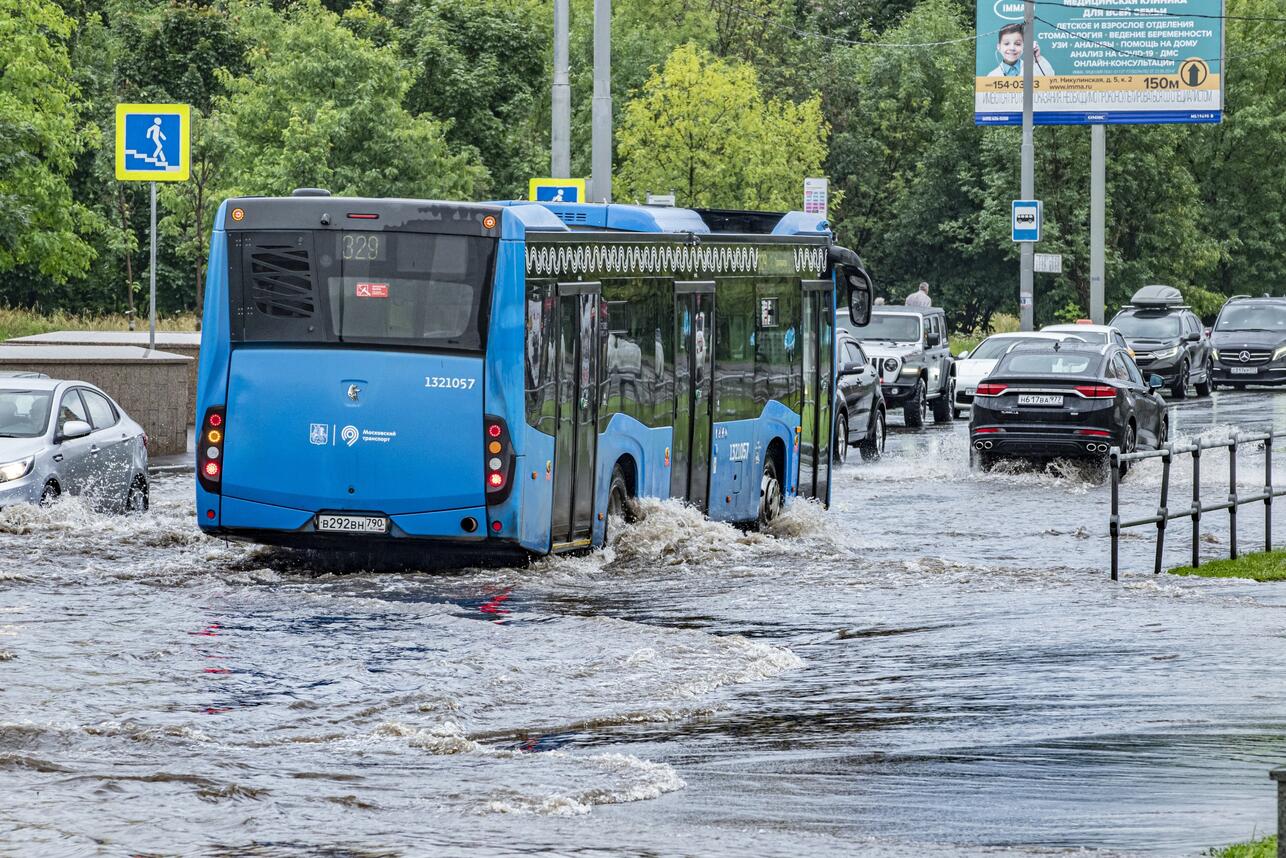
450 383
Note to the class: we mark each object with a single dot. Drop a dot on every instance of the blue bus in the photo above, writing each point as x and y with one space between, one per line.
502 379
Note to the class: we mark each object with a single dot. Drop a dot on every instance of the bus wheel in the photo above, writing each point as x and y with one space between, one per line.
620 508
770 494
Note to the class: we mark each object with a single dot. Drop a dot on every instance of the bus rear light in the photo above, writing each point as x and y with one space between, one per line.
498 459
209 470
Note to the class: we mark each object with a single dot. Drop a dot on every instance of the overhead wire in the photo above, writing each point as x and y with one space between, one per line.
1149 13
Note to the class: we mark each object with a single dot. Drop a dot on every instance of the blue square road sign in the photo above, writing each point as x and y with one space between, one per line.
152 142
1025 220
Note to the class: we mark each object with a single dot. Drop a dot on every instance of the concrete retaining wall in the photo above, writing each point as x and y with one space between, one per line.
152 387
174 342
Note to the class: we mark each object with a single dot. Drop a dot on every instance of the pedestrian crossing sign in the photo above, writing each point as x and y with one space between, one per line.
153 142
556 190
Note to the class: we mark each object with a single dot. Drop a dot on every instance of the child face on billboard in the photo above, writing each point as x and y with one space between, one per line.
1011 47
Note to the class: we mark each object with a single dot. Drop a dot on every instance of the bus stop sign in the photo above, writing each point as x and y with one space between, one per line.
153 142
1026 220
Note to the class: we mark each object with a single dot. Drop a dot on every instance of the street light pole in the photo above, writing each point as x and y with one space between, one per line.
601 117
1027 249
560 148
1098 206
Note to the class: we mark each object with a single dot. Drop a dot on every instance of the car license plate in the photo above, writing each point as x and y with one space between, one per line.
1039 399
1243 370
353 523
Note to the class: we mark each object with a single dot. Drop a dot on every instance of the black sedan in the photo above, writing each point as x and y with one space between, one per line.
1046 401
859 404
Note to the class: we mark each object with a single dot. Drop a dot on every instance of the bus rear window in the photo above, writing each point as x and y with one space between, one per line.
409 287
395 288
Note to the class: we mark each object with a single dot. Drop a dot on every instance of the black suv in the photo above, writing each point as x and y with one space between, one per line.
1249 340
1167 339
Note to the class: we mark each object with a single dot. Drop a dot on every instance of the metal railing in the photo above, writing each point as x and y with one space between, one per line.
1196 509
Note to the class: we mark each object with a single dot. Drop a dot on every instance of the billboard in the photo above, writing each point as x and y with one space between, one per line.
1102 61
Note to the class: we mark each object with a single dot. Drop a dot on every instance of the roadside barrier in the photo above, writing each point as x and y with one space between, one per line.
1165 514
1279 775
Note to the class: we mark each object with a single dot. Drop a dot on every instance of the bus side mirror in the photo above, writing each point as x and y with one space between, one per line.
859 297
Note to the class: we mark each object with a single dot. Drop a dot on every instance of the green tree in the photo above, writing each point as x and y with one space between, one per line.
482 65
1239 163
321 106
702 128
41 225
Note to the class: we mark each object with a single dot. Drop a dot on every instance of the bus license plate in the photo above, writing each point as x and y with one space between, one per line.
353 523
1039 399
1243 370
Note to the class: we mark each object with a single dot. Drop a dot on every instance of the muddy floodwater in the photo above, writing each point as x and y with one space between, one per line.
936 665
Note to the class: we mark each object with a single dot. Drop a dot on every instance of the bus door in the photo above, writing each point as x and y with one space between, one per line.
819 354
693 391
575 443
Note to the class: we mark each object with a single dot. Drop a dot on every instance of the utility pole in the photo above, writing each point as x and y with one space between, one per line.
601 146
1098 218
1027 249
560 148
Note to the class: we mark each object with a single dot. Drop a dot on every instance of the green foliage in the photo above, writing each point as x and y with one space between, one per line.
481 65
40 135
1263 848
702 128
715 99
322 107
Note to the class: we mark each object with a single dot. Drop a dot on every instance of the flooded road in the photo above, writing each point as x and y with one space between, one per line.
937 665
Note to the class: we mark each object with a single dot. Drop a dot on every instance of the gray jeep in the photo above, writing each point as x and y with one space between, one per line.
908 346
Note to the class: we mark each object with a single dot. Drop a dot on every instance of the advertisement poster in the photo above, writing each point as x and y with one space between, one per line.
1102 61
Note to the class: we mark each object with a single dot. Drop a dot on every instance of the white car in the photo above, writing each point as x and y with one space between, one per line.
68 437
972 367
1096 334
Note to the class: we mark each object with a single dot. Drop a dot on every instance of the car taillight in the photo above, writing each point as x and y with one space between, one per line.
988 430
1096 391
209 451
1094 433
497 458
990 389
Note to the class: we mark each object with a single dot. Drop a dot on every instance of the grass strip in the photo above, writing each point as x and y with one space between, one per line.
22 323
1265 848
1262 566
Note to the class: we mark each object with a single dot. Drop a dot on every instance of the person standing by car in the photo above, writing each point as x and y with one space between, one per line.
920 297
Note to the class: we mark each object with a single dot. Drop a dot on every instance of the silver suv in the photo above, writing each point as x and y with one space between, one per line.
908 347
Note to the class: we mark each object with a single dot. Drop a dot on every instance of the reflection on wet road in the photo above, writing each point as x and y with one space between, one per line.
937 664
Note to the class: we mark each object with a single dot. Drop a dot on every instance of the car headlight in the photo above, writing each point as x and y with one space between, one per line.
16 470
1214 353
890 364
1165 353
1279 353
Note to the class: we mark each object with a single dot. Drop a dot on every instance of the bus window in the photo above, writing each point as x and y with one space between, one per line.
395 288
425 289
